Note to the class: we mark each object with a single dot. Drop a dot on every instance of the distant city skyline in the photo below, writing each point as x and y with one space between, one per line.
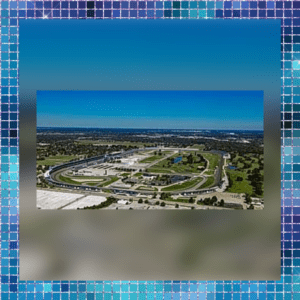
190 110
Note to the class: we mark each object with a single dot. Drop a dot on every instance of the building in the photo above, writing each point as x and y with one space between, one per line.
226 155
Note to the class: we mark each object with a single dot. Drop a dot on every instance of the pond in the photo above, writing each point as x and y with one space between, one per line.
231 167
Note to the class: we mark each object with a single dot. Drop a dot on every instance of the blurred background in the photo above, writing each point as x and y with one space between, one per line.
149 245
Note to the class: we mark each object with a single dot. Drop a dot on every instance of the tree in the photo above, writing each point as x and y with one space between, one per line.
222 203
163 204
191 200
157 203
140 201
239 178
247 198
176 206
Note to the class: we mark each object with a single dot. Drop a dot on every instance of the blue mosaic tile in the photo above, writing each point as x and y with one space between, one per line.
287 288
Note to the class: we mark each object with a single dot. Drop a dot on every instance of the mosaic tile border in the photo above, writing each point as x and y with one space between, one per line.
288 287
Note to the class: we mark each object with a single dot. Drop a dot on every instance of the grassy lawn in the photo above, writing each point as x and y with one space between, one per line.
55 160
145 188
167 152
151 159
181 168
125 174
200 147
87 177
182 186
68 180
213 162
243 186
178 167
182 200
159 170
239 186
113 179
91 183
209 181
138 174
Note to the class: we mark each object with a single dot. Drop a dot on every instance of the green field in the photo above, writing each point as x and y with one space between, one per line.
239 186
182 200
247 159
68 180
91 183
112 180
55 160
213 162
182 186
164 167
159 170
145 188
151 159
209 181
125 174
200 147
87 177
138 174
245 185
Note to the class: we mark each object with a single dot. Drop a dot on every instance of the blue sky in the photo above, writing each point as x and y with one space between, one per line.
150 54
187 55
151 109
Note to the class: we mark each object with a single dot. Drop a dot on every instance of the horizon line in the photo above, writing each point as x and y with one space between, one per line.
148 128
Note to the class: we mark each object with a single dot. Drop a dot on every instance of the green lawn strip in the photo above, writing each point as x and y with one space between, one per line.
90 183
125 174
113 179
184 185
182 200
145 188
68 180
209 181
167 152
163 162
181 168
159 170
87 177
239 186
213 161
138 174
151 159
178 168
55 160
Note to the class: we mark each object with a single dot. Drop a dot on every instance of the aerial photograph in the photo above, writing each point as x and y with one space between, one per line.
149 150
